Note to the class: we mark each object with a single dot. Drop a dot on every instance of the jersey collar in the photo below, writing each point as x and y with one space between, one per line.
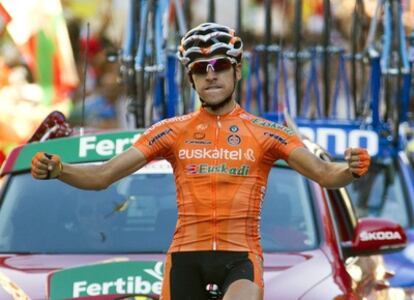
237 110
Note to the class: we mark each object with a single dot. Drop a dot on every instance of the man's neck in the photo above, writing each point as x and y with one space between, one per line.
223 110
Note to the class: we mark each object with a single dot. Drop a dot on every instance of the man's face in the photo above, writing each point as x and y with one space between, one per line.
213 78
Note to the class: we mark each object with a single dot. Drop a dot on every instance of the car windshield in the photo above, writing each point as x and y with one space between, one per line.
380 193
135 215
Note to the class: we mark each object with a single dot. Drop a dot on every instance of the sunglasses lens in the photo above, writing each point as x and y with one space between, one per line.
217 65
222 65
199 67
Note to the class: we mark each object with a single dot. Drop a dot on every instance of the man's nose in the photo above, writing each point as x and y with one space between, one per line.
210 74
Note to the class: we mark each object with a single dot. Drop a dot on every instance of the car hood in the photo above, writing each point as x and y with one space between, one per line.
402 263
28 274
287 275
291 275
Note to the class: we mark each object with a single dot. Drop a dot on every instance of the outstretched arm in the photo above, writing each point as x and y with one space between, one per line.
92 176
330 174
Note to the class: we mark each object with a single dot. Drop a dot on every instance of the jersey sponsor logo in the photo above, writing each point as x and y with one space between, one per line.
198 142
106 147
220 169
269 124
276 137
201 127
246 116
249 155
191 169
159 135
234 128
221 153
166 121
379 236
199 135
234 140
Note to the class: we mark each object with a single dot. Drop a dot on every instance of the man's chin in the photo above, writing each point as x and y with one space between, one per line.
215 104
212 103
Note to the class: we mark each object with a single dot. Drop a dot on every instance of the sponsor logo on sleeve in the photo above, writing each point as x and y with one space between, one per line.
159 136
276 137
168 121
269 124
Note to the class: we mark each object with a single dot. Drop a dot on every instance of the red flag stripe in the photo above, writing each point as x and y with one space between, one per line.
4 15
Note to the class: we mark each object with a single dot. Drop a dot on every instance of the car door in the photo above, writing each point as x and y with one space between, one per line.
367 273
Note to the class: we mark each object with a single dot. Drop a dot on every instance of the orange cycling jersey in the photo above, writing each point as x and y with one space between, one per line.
221 165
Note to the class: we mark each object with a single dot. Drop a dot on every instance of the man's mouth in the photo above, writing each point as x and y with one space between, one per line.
213 87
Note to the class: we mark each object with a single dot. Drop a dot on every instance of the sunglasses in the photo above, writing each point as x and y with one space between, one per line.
201 67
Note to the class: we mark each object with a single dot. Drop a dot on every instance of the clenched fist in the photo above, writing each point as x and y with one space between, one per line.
358 161
46 166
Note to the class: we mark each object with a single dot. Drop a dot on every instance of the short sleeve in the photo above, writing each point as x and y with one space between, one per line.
156 141
291 143
281 141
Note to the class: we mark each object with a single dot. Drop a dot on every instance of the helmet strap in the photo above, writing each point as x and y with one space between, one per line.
190 77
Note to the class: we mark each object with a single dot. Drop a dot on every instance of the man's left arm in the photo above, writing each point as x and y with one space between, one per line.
330 174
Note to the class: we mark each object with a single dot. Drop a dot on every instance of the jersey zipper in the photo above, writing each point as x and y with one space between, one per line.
214 187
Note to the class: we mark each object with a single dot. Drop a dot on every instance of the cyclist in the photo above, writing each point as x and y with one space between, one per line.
221 156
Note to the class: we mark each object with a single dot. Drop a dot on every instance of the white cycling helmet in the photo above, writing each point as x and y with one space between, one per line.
209 39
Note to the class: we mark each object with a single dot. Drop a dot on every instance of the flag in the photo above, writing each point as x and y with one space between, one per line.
39 30
5 18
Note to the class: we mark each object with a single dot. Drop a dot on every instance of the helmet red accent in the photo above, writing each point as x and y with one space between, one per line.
209 39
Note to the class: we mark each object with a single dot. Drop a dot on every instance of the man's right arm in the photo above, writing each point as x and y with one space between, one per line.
92 176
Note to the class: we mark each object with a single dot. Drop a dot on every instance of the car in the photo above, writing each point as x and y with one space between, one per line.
60 242
387 191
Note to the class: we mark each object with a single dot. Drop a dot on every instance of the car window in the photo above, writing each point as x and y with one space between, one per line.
342 212
287 216
136 214
380 194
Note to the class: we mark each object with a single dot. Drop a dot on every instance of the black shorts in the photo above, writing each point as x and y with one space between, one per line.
188 273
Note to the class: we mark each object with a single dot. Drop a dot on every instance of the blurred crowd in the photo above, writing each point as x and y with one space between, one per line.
73 75
51 67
